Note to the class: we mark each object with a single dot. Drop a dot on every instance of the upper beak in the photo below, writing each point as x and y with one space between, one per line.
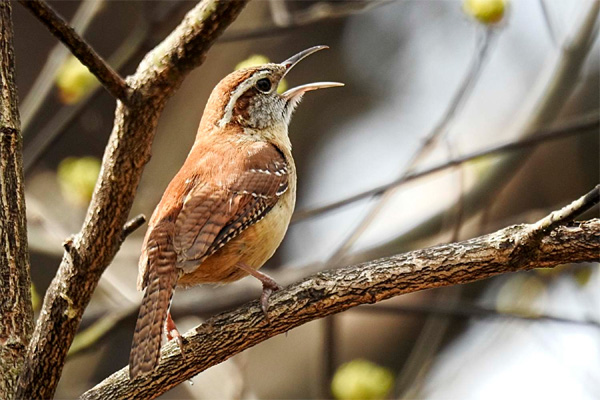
295 59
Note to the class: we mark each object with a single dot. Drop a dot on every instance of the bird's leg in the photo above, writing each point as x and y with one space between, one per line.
173 333
268 283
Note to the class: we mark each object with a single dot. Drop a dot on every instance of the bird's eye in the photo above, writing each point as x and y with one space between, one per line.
264 85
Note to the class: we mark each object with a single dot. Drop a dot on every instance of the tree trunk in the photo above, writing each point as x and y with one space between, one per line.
16 314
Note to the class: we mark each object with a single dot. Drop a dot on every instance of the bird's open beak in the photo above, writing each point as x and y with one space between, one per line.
299 90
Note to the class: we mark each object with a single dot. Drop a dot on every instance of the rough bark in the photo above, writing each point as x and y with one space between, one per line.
337 290
90 251
16 314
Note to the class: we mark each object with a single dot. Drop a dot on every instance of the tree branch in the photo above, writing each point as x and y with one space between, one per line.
334 291
128 150
46 78
110 79
16 313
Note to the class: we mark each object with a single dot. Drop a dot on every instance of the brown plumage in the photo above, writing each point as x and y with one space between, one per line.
226 211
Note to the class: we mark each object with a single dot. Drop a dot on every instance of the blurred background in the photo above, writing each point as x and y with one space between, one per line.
426 82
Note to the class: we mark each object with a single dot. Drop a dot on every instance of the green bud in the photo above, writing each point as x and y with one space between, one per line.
583 274
77 178
361 380
485 11
36 300
74 81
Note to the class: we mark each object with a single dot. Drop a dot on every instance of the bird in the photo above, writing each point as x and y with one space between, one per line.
228 208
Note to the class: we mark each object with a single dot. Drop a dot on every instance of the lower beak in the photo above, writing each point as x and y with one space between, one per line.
300 90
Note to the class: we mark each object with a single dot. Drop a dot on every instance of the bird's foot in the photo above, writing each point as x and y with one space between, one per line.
173 333
269 286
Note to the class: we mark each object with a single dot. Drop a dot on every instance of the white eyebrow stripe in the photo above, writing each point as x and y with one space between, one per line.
237 92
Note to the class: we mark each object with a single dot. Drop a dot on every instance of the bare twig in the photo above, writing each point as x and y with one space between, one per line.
587 123
133 224
128 150
435 326
319 10
45 79
529 240
337 290
310 17
16 313
111 80
549 23
568 213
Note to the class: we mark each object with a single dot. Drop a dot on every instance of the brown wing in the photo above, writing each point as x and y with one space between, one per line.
213 215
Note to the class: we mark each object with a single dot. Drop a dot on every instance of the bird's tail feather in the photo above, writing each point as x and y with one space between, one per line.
147 338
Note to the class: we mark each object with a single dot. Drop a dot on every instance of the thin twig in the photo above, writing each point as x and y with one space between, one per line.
588 123
43 83
133 224
549 23
569 212
312 18
527 243
434 328
111 80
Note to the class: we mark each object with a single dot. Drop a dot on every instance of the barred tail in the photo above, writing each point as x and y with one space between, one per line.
162 278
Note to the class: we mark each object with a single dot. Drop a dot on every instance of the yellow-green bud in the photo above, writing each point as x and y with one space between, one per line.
583 274
77 178
74 81
36 301
361 380
485 11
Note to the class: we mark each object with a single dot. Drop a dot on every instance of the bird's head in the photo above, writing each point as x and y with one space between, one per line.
248 97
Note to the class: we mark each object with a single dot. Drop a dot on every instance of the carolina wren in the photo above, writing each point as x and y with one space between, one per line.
226 211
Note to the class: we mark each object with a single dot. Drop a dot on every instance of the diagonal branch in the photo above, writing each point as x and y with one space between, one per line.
110 79
334 291
93 248
16 313
44 82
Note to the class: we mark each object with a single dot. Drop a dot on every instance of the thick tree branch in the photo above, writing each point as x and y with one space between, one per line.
128 150
110 79
337 290
16 313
